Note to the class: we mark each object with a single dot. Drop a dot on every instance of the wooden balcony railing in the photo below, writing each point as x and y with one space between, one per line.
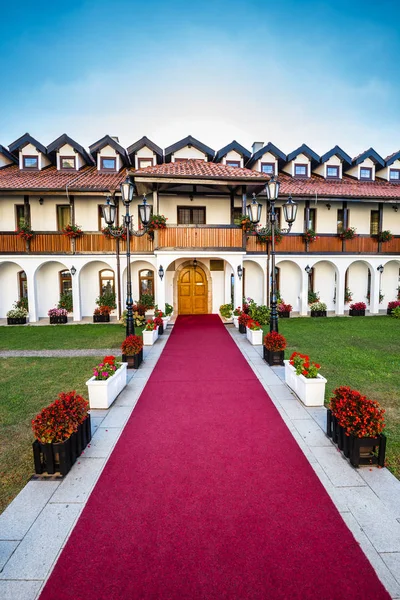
11 243
201 237
50 243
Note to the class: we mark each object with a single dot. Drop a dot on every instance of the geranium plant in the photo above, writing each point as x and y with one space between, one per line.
157 222
24 231
264 235
385 236
151 325
244 319
103 311
225 311
284 308
246 224
57 312
303 365
310 236
394 304
318 306
72 231
253 325
358 306
158 321
274 341
313 297
17 312
105 369
132 345
358 415
119 230
58 421
348 295
348 234
237 311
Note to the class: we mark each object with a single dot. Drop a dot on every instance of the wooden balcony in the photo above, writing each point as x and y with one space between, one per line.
327 244
229 237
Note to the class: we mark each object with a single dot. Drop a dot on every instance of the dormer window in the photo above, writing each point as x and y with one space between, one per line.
268 168
108 164
31 162
300 170
394 175
145 162
67 163
366 173
233 163
332 172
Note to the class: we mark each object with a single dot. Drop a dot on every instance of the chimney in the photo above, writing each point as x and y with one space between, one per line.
257 146
115 138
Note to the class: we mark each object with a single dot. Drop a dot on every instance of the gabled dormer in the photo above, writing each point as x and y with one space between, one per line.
391 170
333 164
6 158
188 149
301 162
68 155
233 155
109 156
31 154
145 153
267 159
364 165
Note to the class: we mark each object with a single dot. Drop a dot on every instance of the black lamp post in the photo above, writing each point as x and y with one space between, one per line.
109 212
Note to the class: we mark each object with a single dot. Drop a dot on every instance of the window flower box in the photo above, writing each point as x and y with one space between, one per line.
284 315
310 391
102 393
133 360
318 313
255 336
149 337
101 318
16 320
274 357
58 320
356 313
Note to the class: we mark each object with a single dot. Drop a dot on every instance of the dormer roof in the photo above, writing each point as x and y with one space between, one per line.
145 142
234 145
370 153
65 139
389 160
23 141
107 140
189 141
337 151
304 149
8 154
272 149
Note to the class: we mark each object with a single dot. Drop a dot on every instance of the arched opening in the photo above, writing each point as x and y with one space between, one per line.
96 278
9 286
106 282
49 285
146 282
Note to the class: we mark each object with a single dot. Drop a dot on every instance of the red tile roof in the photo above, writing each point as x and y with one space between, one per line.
199 168
87 179
348 187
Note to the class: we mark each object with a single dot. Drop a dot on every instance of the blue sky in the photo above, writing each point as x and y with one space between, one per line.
323 73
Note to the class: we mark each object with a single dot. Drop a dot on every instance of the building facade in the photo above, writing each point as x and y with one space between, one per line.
202 193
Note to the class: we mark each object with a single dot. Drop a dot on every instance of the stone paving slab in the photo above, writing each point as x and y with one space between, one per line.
392 560
80 481
6 550
337 467
312 433
19 590
102 442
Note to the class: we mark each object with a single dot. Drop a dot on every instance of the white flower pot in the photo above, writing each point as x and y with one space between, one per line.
310 391
149 337
236 322
255 337
103 393
165 322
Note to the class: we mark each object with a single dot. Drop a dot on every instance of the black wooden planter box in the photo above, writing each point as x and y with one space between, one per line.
274 357
134 360
60 457
101 318
242 328
16 320
318 313
284 315
357 313
161 329
58 320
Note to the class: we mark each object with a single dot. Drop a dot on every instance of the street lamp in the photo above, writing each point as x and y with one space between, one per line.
109 213
290 213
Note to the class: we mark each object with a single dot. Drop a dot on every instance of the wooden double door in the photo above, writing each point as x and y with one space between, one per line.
192 291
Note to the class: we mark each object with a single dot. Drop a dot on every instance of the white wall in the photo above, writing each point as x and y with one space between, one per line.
253 281
191 153
9 290
390 280
48 286
266 158
4 161
136 266
30 150
218 210
109 152
391 219
360 215
355 171
324 283
7 212
233 155
145 152
90 285
333 161
301 159
68 150
357 281
290 282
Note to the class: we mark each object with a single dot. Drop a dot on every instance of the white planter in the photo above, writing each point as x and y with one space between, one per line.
149 314
165 322
103 393
149 337
236 322
310 391
255 337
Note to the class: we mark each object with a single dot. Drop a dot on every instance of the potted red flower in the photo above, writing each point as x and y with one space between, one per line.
160 324
274 348
357 309
392 305
102 314
132 351
284 310
243 319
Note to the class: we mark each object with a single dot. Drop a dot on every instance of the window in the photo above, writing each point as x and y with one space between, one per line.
22 285
191 216
312 219
216 265
108 164
237 213
394 175
332 172
146 282
340 220
63 216
268 168
19 215
107 282
65 282
233 163
366 173
100 221
300 170
67 163
145 162
374 224
30 162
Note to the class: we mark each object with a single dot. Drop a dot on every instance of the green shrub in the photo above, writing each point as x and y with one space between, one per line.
147 300
107 299
313 297
66 302
396 312
225 311
261 313
22 303
168 309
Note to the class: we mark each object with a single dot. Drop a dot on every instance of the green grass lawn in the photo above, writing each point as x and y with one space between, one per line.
363 353
53 337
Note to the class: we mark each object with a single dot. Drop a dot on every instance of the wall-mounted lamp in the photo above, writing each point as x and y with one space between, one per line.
191 198
41 201
240 271
308 269
161 272
73 270
380 269
195 263
328 206
395 207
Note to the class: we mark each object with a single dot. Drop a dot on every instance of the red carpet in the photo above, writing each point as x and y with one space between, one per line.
207 496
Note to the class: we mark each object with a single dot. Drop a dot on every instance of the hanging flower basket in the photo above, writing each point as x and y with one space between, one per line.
72 231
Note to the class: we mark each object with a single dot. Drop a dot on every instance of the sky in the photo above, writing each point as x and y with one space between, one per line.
289 72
